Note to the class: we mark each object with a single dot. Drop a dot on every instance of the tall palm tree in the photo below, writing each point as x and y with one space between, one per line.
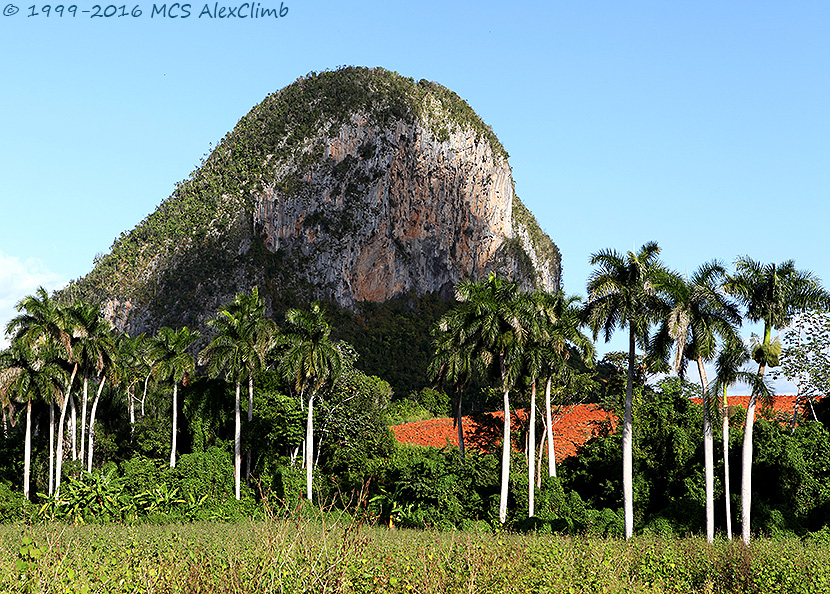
560 317
493 318
239 348
173 362
451 365
700 313
31 373
41 319
728 372
262 336
312 361
104 346
627 291
92 350
772 293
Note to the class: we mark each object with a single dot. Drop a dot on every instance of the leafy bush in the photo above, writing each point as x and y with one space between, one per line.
13 506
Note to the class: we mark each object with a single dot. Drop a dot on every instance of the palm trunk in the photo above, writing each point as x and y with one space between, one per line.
175 425
250 418
531 452
131 399
549 430
746 457
627 478
27 451
309 440
51 447
727 494
746 470
83 420
505 451
144 396
67 401
460 429
541 454
237 445
708 456
92 423
73 430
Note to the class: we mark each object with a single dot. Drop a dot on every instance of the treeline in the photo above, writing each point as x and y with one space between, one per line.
102 426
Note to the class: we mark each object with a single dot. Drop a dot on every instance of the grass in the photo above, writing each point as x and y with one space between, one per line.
305 552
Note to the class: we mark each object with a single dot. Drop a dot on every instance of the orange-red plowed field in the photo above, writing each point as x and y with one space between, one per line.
572 426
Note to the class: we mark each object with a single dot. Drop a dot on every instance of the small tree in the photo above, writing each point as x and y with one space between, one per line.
805 357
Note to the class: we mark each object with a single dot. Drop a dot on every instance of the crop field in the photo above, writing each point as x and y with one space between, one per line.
327 553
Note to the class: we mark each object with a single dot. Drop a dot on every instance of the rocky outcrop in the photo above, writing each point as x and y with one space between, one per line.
352 185
388 210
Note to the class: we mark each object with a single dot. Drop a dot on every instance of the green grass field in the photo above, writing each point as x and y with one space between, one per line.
326 554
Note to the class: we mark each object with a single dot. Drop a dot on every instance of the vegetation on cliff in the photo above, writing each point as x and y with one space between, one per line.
211 210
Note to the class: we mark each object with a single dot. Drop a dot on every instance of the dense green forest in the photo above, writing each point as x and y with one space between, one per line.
103 427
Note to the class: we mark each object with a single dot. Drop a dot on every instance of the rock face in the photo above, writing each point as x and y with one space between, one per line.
392 210
352 185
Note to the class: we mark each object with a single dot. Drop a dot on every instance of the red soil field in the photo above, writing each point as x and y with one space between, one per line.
572 426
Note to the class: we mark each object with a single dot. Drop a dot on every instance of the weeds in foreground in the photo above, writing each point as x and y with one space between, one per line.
309 550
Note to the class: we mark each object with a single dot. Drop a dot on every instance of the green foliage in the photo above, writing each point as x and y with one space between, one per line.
794 495
433 489
206 473
311 552
392 339
408 410
98 496
151 437
13 506
668 473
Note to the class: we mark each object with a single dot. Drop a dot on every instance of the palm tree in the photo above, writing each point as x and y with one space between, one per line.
451 364
41 319
493 319
772 293
312 361
560 319
172 361
728 371
92 350
700 313
262 337
129 362
31 373
242 340
627 291
103 343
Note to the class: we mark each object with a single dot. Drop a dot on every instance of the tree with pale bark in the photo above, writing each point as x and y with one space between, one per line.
627 291
729 371
313 362
493 320
172 362
239 348
31 373
700 314
772 294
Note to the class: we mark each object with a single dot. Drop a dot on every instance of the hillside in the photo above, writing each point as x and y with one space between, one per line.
351 186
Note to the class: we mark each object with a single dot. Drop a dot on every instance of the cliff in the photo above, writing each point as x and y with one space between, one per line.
353 185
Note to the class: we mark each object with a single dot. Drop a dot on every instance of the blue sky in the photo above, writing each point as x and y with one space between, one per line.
700 125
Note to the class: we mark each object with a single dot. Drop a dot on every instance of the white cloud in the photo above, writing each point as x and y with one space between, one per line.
19 279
